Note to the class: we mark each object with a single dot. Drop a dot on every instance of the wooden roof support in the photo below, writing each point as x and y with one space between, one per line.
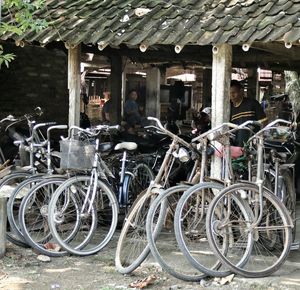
221 77
74 85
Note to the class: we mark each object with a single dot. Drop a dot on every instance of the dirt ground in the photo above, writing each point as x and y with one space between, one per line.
20 269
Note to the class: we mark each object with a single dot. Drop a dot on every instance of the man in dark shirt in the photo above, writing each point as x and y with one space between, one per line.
243 109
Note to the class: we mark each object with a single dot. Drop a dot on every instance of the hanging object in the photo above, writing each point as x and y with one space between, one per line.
288 44
178 48
246 47
143 47
215 49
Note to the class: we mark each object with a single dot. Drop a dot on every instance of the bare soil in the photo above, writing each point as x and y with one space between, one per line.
20 269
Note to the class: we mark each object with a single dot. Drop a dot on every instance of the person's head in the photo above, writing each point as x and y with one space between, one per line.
106 94
133 95
207 111
236 91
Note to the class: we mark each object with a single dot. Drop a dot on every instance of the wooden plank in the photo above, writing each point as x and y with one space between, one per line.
221 77
74 85
3 221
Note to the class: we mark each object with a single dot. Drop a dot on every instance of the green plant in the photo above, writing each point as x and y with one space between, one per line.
19 17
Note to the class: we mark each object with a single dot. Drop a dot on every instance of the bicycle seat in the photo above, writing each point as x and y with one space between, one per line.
126 146
106 146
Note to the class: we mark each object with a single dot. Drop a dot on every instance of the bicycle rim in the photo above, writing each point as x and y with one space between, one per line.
244 238
164 247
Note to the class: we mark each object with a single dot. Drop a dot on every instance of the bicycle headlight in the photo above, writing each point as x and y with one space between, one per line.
183 155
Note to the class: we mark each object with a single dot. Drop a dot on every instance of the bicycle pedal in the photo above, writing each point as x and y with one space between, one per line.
295 246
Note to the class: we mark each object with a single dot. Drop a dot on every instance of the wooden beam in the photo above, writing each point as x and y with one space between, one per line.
221 76
74 85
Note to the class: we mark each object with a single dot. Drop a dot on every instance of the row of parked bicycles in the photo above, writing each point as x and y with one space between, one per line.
162 196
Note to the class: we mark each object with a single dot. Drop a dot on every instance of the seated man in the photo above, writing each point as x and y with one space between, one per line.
131 111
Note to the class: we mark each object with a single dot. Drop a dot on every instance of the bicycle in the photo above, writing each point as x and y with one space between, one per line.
249 237
94 200
132 248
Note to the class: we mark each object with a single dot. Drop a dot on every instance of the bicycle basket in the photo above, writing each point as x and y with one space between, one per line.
76 154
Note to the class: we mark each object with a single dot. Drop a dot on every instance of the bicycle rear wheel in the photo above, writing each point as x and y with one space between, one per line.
164 247
83 232
248 243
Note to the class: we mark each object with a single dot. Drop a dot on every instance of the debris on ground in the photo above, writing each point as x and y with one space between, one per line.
142 283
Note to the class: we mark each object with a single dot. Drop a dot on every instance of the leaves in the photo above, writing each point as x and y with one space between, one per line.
21 19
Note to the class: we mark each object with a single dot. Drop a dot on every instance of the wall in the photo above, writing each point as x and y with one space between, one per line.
37 77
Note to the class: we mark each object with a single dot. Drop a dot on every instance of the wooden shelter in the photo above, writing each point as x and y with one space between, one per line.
219 33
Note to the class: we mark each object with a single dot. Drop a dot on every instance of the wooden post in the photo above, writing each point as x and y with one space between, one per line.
116 89
221 77
3 219
153 92
74 85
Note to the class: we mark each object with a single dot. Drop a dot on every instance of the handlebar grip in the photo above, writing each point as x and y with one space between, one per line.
116 127
59 127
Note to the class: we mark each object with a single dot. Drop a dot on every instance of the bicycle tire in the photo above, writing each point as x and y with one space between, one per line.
190 232
254 241
16 176
139 179
33 217
78 244
132 247
14 203
163 247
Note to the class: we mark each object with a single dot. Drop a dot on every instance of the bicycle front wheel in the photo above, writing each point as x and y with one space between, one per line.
132 248
164 247
190 230
248 236
82 226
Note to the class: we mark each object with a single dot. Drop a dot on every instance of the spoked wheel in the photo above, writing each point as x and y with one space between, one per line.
164 246
9 184
14 203
33 217
246 230
132 248
190 228
139 180
81 226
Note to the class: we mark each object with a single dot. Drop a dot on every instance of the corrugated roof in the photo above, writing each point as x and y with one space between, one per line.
175 22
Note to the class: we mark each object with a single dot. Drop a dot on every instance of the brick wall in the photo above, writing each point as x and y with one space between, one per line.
37 77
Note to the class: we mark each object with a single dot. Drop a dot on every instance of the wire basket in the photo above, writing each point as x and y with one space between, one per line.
76 154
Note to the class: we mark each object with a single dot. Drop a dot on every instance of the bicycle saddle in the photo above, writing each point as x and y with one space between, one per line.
126 146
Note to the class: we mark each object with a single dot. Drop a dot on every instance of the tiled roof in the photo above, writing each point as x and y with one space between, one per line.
172 22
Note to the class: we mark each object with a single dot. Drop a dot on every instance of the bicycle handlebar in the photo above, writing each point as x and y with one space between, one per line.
95 130
167 132
233 127
270 126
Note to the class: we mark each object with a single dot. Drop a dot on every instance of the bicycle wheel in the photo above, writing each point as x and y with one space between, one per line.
14 203
8 184
83 232
139 179
164 247
132 248
33 217
247 253
190 229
